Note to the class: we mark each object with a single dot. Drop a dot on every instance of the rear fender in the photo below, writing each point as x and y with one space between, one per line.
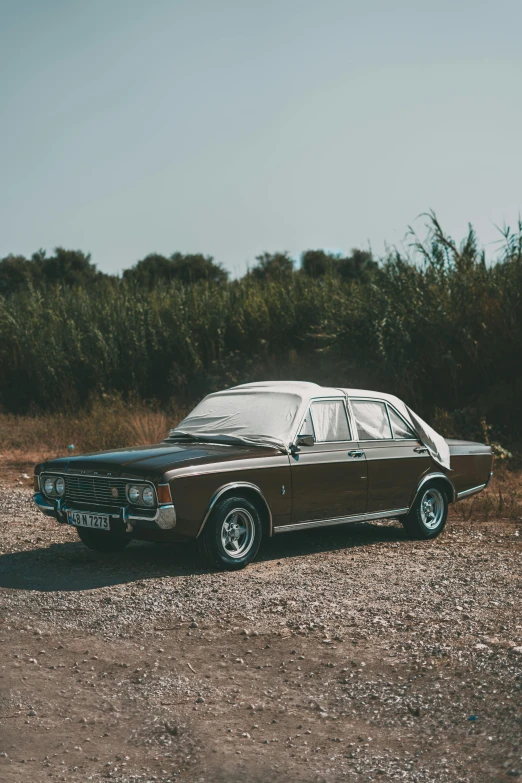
436 478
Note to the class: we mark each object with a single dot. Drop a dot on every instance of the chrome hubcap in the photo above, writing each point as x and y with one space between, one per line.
237 533
432 508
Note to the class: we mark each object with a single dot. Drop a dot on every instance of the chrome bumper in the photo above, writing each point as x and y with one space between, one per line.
43 504
164 518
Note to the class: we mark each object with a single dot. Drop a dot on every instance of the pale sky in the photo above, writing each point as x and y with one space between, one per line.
233 127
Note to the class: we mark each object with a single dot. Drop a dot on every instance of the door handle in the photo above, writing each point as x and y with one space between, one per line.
420 450
356 453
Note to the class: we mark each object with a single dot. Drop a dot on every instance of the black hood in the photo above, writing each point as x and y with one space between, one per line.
150 461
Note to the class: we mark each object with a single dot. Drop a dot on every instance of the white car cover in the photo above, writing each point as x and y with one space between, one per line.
262 414
269 414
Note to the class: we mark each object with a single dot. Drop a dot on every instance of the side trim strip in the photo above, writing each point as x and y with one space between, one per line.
236 485
466 492
341 520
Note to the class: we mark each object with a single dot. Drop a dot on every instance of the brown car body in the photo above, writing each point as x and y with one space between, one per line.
308 486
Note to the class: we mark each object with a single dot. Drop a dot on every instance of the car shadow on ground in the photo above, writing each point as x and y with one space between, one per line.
71 567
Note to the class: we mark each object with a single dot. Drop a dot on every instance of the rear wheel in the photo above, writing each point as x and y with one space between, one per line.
428 514
102 540
231 538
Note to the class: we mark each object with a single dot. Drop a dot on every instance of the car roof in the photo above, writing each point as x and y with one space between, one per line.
302 388
307 387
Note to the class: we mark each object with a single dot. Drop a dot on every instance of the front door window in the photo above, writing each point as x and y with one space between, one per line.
330 421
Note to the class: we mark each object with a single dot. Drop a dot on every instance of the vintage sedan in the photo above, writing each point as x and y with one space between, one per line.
262 459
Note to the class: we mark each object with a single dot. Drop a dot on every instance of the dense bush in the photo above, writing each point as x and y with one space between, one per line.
442 328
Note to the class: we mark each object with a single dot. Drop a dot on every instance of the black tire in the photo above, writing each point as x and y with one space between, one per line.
224 526
428 515
103 540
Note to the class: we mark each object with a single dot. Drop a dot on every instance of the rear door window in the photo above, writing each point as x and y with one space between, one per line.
372 420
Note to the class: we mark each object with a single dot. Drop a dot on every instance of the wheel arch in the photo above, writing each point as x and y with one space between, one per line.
250 492
436 479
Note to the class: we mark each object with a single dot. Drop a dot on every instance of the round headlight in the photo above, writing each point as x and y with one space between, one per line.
133 493
148 496
49 486
59 486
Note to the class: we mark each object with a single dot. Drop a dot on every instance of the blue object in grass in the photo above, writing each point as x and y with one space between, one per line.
70 447
473 717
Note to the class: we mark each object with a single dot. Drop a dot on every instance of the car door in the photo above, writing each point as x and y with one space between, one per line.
329 478
395 457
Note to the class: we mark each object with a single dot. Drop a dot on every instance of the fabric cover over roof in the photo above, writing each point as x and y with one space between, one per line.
254 413
269 412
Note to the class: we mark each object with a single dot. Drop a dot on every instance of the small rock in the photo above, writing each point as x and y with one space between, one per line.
516 650
246 735
200 700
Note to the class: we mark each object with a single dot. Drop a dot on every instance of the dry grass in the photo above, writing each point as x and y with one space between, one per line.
108 424
502 499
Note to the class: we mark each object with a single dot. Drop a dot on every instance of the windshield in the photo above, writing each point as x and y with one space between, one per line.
248 416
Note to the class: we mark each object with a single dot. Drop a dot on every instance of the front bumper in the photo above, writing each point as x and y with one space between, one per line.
126 517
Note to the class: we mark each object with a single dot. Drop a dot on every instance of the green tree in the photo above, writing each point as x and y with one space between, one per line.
189 268
67 267
272 266
16 273
318 263
357 266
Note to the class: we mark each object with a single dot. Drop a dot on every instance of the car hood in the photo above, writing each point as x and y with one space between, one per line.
151 461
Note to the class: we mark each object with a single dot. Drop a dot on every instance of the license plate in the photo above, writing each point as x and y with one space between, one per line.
84 519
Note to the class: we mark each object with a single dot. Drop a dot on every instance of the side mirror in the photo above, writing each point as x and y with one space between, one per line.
305 440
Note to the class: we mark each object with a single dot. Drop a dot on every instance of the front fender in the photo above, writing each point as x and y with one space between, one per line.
231 488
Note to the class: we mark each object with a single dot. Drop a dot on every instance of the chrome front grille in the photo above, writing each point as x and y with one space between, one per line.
84 491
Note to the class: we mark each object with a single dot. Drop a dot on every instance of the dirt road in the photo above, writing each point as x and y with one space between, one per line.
348 654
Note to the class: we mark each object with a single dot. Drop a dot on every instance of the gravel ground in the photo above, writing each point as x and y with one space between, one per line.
352 654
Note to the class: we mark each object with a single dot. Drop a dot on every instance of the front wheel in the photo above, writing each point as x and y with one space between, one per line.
427 517
102 540
231 538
